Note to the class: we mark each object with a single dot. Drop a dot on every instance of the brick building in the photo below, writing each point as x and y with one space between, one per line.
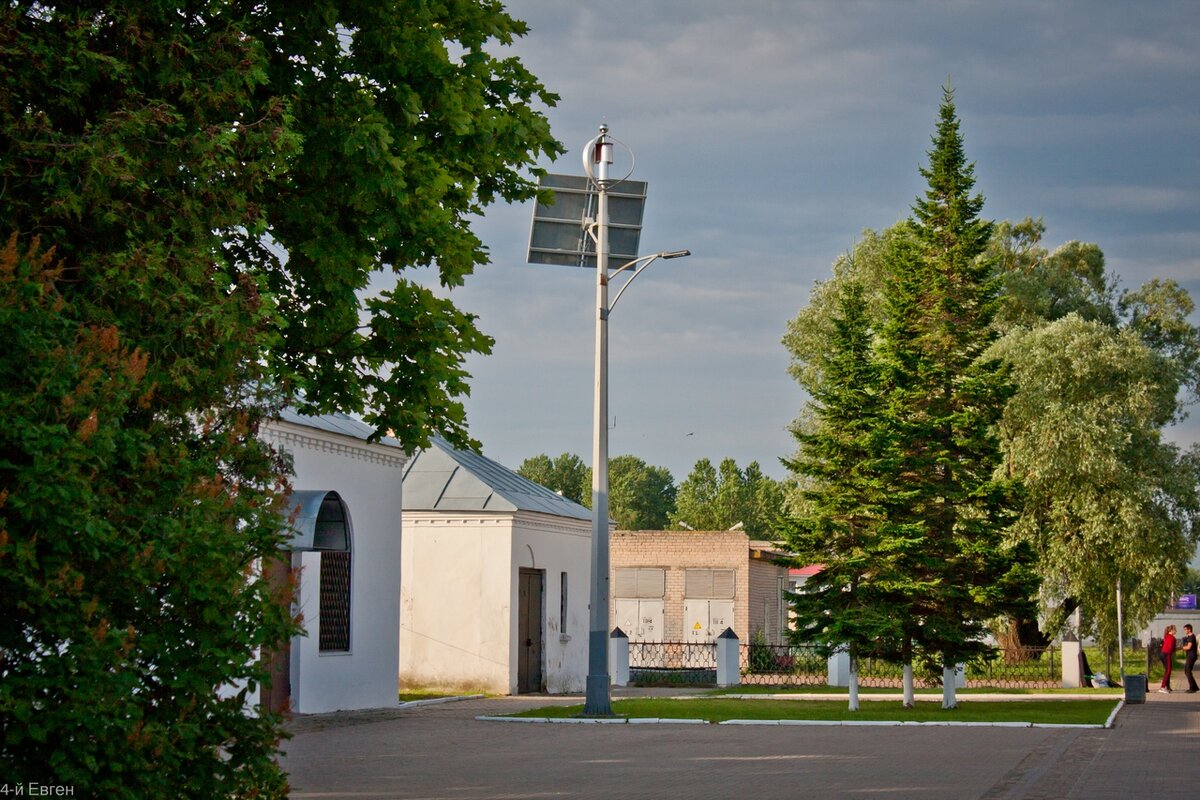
689 586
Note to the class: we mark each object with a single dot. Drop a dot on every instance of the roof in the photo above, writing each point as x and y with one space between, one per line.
336 423
442 478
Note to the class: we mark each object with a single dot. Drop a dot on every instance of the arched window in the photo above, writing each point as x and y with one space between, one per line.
321 523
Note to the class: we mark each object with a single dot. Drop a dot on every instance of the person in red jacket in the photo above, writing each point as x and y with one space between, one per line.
1167 654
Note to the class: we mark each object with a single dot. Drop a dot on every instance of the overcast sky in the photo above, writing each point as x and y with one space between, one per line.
771 134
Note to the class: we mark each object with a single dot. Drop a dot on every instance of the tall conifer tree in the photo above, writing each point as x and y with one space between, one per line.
841 522
943 401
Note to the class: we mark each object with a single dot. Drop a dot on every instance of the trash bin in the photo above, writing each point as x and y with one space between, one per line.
1135 689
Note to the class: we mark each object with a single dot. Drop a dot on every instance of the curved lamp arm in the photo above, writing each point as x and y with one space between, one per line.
641 264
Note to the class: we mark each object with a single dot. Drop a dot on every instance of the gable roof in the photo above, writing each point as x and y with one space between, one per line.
442 478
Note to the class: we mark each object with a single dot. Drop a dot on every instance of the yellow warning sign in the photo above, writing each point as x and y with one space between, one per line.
696 627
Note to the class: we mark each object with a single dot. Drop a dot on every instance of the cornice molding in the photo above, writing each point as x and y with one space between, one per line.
291 436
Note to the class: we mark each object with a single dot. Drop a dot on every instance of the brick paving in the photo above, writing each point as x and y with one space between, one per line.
442 752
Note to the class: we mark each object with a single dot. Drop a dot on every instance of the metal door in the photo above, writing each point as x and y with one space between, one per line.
529 631
705 620
641 620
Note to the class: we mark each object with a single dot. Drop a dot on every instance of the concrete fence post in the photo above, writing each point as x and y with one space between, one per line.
729 672
1072 666
618 657
838 669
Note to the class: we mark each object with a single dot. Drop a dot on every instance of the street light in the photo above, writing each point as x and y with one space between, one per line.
599 151
648 261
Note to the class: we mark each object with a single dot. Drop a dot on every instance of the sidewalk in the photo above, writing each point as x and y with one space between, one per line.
442 752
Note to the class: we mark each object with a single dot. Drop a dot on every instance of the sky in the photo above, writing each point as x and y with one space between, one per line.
771 134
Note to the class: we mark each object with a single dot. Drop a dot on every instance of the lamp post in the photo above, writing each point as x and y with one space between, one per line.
598 155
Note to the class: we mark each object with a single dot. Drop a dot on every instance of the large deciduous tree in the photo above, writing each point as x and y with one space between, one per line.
641 497
193 198
1106 500
566 474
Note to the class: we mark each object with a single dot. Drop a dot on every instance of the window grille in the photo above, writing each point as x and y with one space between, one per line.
335 602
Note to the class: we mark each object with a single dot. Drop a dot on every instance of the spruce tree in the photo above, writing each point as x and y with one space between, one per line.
841 520
942 403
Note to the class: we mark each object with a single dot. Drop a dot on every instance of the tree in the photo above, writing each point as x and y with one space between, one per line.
841 520
942 401
409 126
1040 286
709 499
640 497
929 291
567 475
1106 500
193 197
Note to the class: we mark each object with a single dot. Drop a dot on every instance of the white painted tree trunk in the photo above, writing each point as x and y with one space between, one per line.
949 697
909 699
853 683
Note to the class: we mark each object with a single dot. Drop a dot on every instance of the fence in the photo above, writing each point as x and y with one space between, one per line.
672 663
678 663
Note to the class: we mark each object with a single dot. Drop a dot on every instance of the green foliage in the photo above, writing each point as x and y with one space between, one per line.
130 521
409 125
567 475
897 457
1106 499
640 497
840 520
193 199
713 500
1098 376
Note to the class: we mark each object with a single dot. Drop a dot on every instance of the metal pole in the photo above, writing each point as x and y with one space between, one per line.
1121 633
598 702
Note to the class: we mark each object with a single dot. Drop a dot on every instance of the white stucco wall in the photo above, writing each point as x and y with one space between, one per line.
369 478
556 545
456 600
459 599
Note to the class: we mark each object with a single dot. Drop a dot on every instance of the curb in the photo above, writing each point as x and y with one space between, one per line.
800 722
436 701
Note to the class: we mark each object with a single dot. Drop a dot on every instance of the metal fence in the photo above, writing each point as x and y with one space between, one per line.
672 663
678 663
782 665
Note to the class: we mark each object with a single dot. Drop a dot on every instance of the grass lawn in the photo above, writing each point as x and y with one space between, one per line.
716 709
841 690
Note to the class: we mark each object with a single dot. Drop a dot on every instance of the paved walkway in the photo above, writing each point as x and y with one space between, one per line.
441 752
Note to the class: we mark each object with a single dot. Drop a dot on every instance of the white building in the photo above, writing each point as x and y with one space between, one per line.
496 579
347 500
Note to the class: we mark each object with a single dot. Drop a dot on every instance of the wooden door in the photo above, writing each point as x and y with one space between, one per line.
529 631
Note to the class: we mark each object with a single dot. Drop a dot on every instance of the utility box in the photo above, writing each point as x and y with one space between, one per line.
1135 689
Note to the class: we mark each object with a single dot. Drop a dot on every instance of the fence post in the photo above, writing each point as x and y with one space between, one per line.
1072 669
838 669
728 653
618 657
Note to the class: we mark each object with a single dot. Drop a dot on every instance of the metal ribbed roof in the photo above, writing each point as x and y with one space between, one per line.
336 423
442 478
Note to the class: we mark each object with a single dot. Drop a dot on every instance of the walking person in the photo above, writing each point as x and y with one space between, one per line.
1167 654
1189 658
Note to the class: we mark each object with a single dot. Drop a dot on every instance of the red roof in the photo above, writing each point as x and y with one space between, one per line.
805 572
